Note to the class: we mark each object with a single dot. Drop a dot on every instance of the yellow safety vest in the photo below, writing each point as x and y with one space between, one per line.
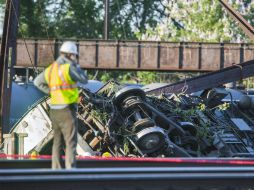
63 90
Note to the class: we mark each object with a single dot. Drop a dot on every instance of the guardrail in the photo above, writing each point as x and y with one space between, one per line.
131 178
128 173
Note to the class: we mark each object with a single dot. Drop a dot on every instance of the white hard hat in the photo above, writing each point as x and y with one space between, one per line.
69 47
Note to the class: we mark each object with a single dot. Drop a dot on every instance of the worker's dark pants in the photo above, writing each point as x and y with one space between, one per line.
64 124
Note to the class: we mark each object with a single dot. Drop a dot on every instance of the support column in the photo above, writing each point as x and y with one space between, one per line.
7 61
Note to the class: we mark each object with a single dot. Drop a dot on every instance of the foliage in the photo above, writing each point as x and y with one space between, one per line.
180 20
201 21
79 19
138 77
58 19
147 77
2 5
126 146
201 107
130 16
85 18
100 115
32 18
104 76
224 106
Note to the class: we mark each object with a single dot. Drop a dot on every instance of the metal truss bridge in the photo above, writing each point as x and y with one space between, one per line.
138 55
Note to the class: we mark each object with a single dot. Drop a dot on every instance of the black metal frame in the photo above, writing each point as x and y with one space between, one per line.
8 60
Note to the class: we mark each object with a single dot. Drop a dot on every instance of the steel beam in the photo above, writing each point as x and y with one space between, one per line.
7 60
210 80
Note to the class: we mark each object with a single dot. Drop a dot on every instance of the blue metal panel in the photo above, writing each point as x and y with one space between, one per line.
22 98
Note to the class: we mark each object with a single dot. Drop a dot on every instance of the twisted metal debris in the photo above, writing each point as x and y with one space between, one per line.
119 120
124 121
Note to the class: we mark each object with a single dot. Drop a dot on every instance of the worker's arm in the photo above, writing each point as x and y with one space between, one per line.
41 83
77 74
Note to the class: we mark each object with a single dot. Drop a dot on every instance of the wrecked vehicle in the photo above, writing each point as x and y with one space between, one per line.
125 122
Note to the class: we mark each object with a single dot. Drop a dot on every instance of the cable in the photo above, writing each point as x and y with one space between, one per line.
47 33
22 35
185 86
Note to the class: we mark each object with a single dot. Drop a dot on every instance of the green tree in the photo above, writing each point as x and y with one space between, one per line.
2 4
129 16
79 19
33 18
201 21
85 18
61 19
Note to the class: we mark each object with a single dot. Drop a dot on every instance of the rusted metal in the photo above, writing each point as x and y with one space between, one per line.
245 26
140 55
207 81
8 60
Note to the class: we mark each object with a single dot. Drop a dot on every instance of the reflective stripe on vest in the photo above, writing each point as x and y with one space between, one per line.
64 85
53 88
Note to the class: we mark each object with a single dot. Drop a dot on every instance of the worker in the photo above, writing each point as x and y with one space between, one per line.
60 81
